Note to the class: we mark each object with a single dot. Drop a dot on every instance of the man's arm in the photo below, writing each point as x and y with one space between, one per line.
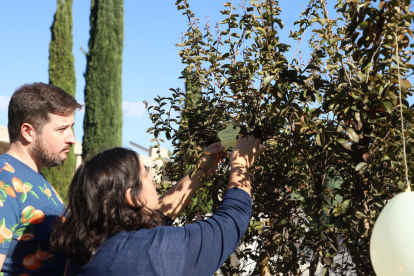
2 258
174 201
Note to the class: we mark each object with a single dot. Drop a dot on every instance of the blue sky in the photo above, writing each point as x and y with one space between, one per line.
151 63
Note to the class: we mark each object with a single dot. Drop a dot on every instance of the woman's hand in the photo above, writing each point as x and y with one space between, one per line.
211 158
246 152
241 159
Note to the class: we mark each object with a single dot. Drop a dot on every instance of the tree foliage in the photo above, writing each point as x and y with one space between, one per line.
333 123
103 91
62 74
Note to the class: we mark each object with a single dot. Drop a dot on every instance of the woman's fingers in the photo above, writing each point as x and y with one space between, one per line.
214 145
257 143
215 150
262 148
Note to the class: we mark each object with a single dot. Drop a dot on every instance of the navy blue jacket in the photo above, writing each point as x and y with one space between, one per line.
196 249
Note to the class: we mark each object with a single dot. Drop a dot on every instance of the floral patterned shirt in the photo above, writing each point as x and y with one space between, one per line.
28 207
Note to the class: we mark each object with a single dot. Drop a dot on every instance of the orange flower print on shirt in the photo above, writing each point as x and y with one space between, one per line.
48 193
6 234
26 237
34 261
6 190
17 184
7 167
43 256
31 215
31 262
18 187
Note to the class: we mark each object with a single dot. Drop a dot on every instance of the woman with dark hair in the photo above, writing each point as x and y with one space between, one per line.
116 224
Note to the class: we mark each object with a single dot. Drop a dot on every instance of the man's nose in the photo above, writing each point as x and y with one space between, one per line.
71 137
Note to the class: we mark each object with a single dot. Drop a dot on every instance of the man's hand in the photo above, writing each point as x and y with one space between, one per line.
211 158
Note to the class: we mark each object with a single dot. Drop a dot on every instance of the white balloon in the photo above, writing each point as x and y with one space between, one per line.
392 239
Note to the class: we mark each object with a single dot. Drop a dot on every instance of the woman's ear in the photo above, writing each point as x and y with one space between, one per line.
128 197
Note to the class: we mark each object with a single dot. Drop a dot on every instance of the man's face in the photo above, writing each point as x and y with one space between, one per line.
52 146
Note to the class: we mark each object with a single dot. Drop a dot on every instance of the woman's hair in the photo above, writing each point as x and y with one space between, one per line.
98 207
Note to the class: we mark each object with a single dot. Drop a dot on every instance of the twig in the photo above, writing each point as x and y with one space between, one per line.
408 186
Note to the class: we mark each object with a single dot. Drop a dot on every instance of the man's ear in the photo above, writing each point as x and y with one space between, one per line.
28 132
128 197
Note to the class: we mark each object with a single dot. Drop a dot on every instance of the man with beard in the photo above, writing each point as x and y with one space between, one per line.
41 117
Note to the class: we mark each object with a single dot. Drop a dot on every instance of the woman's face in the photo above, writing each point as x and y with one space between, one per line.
148 192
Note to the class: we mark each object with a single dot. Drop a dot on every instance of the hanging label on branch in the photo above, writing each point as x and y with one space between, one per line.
228 135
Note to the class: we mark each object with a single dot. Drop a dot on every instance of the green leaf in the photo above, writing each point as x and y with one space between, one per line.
320 139
406 83
360 215
358 119
389 107
34 194
345 206
360 166
279 22
19 231
318 97
24 197
334 40
28 184
13 227
352 134
344 143
267 80
261 30
363 25
3 222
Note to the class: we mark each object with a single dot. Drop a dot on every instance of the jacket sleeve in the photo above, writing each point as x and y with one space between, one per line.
206 244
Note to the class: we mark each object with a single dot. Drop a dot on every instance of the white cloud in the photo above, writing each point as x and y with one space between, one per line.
133 109
4 103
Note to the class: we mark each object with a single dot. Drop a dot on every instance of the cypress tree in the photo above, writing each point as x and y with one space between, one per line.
62 74
103 91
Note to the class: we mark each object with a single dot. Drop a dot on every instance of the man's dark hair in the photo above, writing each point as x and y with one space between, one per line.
97 207
32 104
